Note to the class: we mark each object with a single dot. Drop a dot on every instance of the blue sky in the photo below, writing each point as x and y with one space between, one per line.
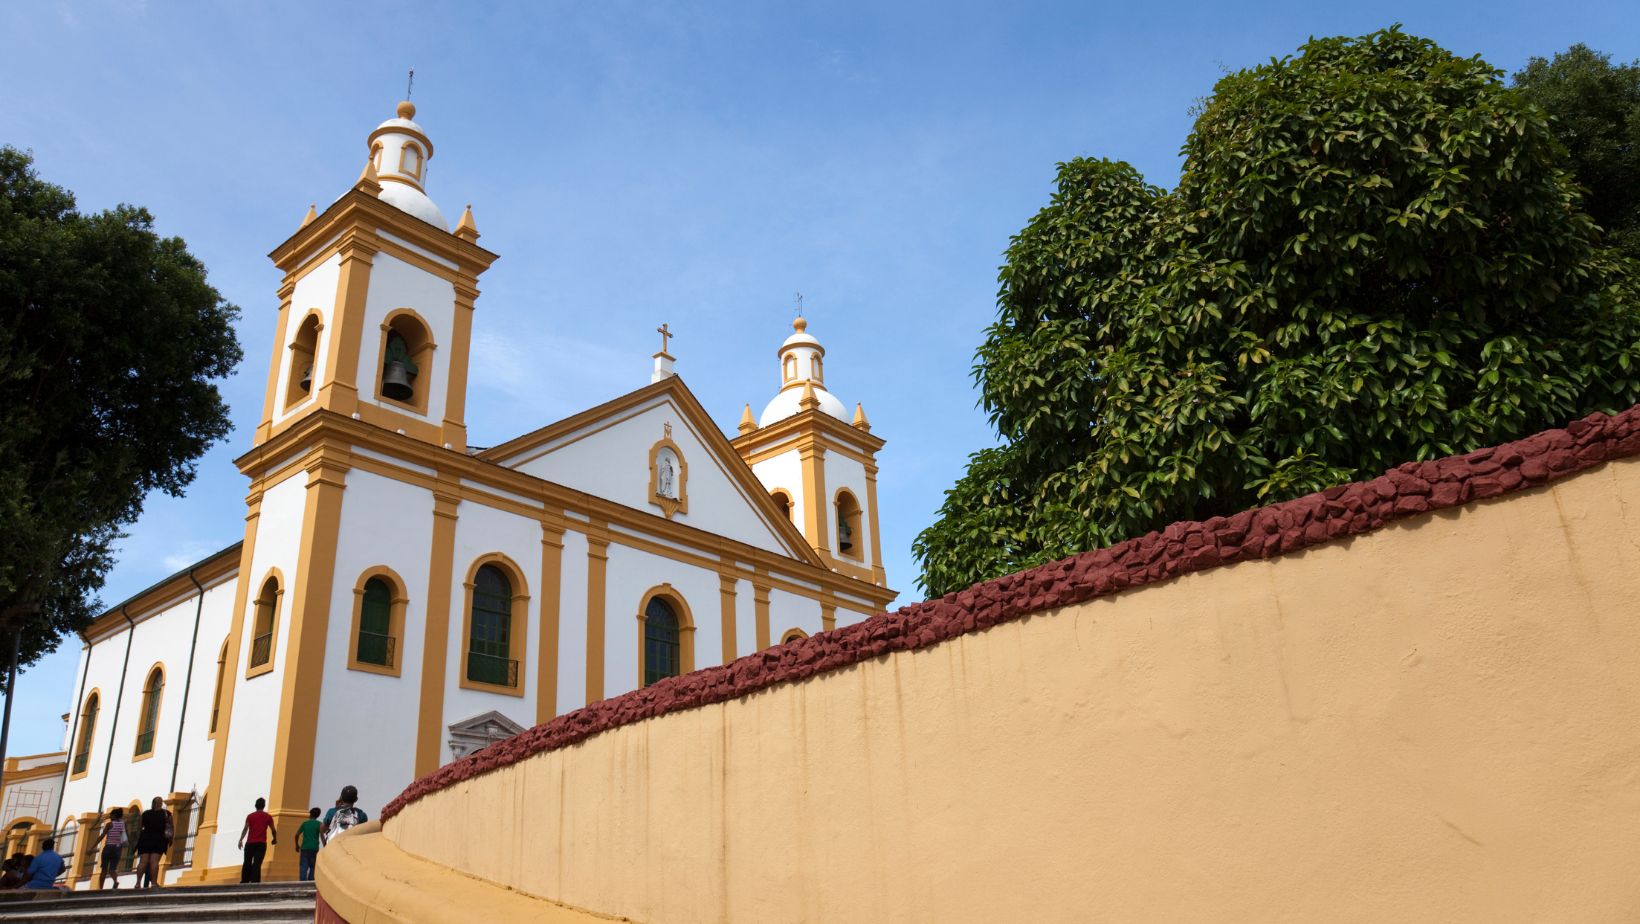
633 163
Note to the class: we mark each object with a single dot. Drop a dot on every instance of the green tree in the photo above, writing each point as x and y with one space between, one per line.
1374 254
1594 108
110 340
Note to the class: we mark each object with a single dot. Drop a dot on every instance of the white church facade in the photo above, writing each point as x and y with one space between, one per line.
400 598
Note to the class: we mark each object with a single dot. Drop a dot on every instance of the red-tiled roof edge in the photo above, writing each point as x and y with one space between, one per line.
1347 510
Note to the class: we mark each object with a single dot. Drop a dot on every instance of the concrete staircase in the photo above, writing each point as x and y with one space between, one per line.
263 903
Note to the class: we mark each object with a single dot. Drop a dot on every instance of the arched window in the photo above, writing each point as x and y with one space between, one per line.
489 639
783 501
407 357
148 718
262 627
848 525
303 348
793 635
814 368
410 161
216 698
662 646
376 640
790 367
88 730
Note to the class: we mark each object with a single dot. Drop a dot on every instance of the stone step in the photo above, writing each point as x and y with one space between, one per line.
154 911
275 903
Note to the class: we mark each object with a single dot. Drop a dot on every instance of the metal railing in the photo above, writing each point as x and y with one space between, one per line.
483 668
261 649
375 648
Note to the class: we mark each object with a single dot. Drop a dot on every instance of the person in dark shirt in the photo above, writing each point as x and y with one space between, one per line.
152 839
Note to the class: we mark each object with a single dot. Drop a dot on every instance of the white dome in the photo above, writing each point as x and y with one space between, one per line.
802 338
414 201
785 405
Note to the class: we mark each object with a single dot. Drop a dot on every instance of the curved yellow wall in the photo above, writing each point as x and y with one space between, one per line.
1438 721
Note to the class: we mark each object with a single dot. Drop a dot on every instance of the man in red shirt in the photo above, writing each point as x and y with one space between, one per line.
254 839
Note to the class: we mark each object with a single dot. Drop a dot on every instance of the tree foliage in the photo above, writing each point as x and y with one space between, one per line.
1375 253
1594 107
110 339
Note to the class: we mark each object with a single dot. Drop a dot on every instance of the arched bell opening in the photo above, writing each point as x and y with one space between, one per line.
407 360
783 501
304 347
848 525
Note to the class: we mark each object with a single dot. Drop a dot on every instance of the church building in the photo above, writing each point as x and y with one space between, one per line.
401 598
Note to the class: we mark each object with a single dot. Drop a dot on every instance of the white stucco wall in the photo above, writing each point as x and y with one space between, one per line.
395 284
613 462
252 732
366 731
789 611
159 638
314 292
784 473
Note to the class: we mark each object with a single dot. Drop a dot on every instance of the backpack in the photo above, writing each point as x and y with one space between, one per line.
342 819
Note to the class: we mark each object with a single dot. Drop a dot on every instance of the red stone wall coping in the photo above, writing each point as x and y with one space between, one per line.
1347 510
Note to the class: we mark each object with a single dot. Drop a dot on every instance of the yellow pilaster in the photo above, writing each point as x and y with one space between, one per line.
281 334
726 598
552 574
340 390
879 576
760 598
436 637
291 788
461 339
816 523
597 571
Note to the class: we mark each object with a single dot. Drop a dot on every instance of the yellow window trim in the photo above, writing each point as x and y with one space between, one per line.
278 577
395 622
142 712
96 693
686 629
517 637
216 697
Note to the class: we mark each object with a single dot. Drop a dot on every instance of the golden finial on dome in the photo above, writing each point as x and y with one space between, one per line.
800 324
407 110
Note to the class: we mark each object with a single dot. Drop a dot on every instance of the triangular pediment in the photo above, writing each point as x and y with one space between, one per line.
489 725
657 450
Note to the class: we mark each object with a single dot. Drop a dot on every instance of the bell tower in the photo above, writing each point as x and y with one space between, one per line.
817 462
376 304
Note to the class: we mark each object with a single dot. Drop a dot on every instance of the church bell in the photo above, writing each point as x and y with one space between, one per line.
396 381
307 378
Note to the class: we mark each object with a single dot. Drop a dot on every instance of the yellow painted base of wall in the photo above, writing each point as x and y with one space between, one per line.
367 879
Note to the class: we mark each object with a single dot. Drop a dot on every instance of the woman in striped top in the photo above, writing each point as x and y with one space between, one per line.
113 841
